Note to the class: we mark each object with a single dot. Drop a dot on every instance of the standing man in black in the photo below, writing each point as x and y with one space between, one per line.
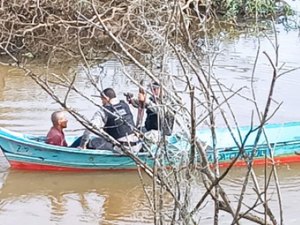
158 117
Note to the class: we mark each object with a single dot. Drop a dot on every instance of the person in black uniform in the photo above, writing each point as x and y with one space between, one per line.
157 116
116 119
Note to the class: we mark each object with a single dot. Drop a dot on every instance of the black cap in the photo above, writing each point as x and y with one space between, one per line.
107 93
155 84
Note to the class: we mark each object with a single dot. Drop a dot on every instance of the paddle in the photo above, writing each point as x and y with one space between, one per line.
141 106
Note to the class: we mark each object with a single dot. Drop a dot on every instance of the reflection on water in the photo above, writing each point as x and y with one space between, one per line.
115 198
289 179
69 198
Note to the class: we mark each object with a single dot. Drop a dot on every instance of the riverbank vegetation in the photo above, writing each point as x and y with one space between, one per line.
40 28
145 35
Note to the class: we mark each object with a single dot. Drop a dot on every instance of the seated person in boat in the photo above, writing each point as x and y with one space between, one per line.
116 119
158 118
56 135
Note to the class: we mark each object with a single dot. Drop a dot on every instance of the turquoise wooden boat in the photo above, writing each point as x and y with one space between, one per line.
25 151
283 141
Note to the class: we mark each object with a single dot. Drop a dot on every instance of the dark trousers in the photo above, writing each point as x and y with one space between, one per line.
94 143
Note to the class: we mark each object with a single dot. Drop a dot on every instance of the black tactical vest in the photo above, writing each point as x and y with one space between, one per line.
119 121
153 119
151 122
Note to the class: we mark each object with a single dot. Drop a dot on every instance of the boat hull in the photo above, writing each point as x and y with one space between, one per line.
29 152
23 153
280 146
43 167
263 157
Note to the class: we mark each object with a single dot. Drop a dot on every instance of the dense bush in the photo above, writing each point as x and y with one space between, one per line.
41 27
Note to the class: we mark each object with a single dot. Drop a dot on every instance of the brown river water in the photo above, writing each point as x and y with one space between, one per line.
51 198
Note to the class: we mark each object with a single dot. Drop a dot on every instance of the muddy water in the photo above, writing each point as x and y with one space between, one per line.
69 198
235 66
113 198
117 198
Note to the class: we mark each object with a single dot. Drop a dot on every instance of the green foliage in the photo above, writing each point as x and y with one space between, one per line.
287 10
261 8
233 8
249 8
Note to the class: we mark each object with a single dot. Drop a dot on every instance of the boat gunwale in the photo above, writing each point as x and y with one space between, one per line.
36 144
21 139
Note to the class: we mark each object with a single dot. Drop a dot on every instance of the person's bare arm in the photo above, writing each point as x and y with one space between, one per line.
98 121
